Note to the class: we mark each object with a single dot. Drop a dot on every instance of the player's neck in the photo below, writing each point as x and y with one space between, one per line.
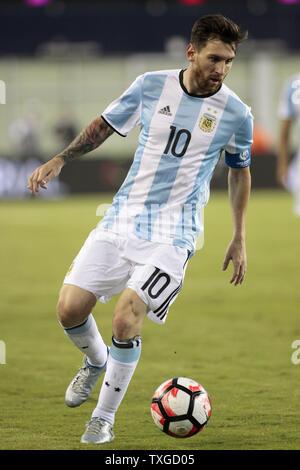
192 86
189 83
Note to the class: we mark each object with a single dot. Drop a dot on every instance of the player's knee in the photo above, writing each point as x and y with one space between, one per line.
128 319
73 306
66 312
69 312
123 330
122 326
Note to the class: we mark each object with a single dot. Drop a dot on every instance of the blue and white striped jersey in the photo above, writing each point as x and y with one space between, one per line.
180 142
289 108
289 104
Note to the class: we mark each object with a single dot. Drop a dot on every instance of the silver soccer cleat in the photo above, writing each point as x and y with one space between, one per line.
83 384
98 431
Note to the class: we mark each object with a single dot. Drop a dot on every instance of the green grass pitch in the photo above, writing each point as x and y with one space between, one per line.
236 341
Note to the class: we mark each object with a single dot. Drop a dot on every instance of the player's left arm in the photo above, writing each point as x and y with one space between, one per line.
283 151
239 185
287 114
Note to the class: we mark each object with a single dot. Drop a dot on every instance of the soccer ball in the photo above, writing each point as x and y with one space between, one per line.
180 407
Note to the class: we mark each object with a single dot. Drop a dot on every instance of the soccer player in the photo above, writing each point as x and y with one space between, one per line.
289 112
143 243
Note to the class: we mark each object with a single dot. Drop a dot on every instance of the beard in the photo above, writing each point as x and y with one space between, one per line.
209 82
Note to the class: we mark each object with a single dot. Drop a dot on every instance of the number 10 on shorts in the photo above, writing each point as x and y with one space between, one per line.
2 352
153 280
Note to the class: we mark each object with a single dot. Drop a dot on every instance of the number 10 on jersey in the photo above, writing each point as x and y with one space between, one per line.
178 141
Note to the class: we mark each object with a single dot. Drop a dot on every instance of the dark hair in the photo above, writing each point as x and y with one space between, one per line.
216 27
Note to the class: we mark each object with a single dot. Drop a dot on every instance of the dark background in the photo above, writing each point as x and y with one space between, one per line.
137 26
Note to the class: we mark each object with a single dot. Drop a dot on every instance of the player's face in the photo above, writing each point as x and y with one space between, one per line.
209 65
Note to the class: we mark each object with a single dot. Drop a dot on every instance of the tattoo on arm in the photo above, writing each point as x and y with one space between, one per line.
89 139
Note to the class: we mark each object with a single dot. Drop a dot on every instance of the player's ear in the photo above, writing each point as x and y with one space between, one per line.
190 52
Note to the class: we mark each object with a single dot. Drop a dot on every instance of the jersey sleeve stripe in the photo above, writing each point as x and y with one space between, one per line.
110 125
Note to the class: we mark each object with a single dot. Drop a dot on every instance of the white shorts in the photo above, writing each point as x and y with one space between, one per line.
108 263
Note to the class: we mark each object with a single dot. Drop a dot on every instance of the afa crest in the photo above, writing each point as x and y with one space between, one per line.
207 123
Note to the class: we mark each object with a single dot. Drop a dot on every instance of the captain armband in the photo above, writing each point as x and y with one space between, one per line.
238 160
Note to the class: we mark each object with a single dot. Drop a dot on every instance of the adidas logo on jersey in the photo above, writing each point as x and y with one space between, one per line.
166 111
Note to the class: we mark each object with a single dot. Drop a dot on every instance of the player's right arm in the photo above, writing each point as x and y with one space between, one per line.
283 151
286 113
89 139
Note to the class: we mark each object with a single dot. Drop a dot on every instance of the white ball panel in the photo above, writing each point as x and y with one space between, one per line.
187 382
157 418
162 387
201 408
179 402
181 428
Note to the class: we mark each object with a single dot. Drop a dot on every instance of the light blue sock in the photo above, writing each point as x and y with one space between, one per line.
87 338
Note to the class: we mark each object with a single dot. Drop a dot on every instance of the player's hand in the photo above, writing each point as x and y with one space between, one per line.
236 252
43 174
